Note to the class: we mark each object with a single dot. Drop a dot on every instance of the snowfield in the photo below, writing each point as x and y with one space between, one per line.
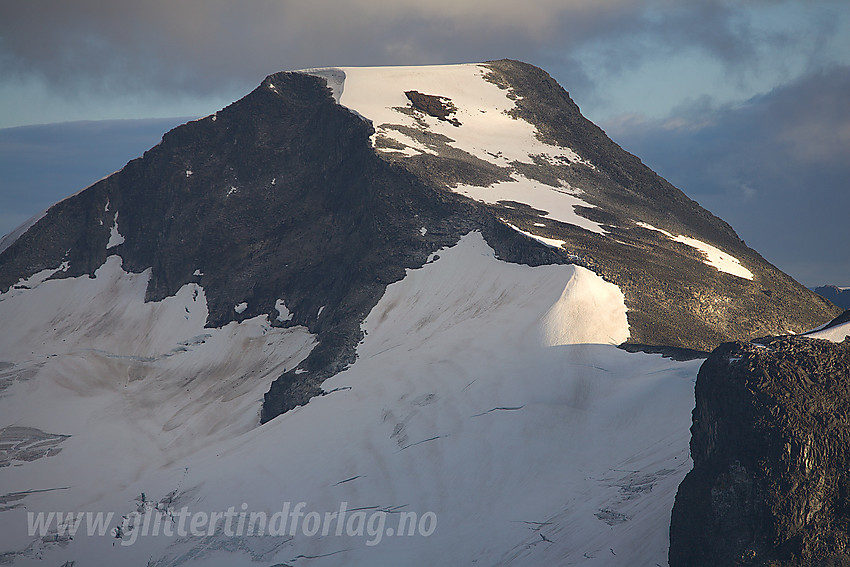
135 385
553 242
835 334
484 128
488 405
487 131
558 204
714 257
115 237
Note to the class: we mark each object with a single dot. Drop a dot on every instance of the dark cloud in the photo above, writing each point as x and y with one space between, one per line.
198 46
777 168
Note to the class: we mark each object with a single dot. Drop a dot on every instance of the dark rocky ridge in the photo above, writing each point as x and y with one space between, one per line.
286 199
771 450
281 196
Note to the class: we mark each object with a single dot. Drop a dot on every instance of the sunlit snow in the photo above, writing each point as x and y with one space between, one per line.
714 257
487 131
470 398
835 334
557 205
547 241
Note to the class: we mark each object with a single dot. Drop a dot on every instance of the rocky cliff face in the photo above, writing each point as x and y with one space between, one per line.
771 450
289 196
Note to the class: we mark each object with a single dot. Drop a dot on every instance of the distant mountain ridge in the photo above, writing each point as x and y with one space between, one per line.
840 296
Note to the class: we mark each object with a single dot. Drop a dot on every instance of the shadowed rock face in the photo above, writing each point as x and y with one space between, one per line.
771 450
281 195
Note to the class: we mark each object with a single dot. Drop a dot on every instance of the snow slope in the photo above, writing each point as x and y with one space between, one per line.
484 128
487 130
135 385
835 334
489 394
714 257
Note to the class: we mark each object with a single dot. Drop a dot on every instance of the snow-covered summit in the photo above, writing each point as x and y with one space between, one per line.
476 112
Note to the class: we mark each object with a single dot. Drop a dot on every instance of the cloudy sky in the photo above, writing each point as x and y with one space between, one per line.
743 105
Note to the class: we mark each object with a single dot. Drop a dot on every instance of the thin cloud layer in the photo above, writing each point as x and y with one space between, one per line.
195 46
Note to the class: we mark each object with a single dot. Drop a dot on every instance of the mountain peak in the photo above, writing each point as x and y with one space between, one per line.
395 288
322 186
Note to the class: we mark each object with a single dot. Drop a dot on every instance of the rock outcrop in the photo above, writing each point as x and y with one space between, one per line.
771 449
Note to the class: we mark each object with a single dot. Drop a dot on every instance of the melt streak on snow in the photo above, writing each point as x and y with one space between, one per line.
486 131
485 392
713 256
